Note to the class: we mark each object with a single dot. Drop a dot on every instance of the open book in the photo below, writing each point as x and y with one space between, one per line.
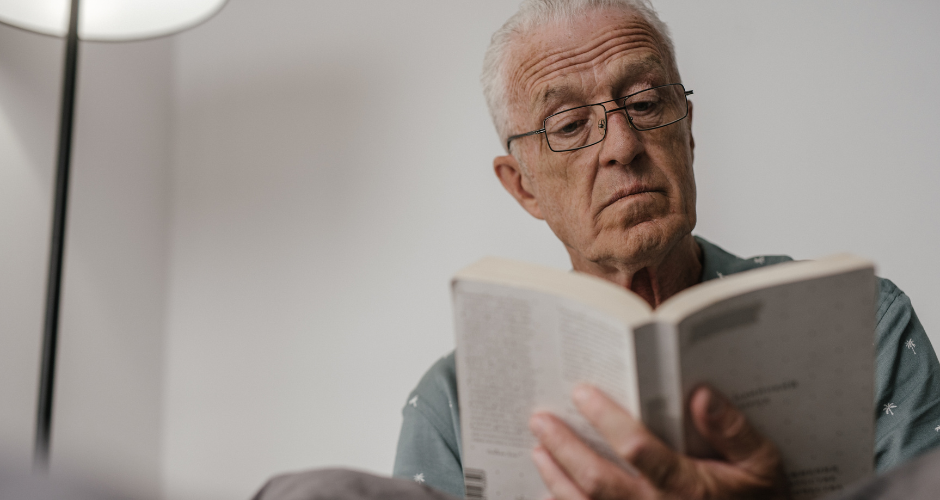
791 345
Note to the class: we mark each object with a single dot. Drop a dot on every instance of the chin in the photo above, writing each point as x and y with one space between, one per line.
645 243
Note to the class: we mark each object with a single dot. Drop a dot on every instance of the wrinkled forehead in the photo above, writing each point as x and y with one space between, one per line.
595 56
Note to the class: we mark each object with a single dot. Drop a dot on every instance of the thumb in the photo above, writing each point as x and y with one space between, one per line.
727 430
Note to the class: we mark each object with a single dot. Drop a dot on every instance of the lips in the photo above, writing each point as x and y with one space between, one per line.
630 191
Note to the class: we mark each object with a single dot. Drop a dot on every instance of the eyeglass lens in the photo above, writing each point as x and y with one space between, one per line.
587 125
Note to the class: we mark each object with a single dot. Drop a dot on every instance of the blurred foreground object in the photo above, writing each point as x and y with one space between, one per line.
918 479
101 20
343 484
24 486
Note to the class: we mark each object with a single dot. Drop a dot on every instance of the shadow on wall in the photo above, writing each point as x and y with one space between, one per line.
30 67
30 80
290 154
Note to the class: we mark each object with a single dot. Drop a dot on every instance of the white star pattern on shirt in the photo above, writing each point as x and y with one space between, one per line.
759 260
419 477
937 428
720 276
910 345
888 407
413 401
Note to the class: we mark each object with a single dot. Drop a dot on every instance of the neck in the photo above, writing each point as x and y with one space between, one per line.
679 268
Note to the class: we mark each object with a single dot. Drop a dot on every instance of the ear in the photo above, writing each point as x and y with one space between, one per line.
510 173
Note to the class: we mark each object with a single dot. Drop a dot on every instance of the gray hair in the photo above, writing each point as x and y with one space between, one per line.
535 13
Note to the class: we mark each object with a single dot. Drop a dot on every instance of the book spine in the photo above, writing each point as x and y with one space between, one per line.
658 381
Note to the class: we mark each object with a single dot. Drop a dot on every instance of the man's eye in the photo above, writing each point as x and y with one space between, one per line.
571 127
568 127
642 107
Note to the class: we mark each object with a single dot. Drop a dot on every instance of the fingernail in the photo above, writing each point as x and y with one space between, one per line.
716 405
538 424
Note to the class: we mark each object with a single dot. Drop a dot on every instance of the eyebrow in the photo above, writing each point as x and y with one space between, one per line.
554 94
629 71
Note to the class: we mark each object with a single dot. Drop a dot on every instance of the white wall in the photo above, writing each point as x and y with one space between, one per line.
106 423
29 83
109 390
332 170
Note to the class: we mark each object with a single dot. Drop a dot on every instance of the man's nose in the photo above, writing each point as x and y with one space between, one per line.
622 143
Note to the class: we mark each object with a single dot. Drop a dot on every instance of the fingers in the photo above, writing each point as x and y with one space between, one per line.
559 484
574 471
568 461
753 462
629 438
725 428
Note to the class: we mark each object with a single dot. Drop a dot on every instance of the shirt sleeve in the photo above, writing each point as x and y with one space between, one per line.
428 446
907 385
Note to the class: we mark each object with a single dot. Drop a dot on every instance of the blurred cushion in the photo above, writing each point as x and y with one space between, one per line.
344 484
918 479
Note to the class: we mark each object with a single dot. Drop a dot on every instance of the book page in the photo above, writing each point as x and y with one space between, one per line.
658 384
519 351
599 294
798 359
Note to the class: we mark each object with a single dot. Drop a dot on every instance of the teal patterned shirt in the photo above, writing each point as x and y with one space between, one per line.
907 389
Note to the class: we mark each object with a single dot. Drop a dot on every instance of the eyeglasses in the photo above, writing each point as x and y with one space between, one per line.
584 126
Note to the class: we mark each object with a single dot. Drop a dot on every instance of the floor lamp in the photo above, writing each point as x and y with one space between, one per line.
93 20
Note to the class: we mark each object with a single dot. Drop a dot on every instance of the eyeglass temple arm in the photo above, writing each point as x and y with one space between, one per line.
514 137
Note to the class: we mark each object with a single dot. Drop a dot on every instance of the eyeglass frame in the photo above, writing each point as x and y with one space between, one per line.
543 130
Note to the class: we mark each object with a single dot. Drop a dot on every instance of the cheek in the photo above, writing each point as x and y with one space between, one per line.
564 197
562 204
688 180
677 162
572 195
685 179
555 181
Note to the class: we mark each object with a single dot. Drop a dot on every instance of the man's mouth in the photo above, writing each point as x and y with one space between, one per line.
624 193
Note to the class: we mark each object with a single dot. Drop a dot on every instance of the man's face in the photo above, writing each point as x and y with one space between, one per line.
629 198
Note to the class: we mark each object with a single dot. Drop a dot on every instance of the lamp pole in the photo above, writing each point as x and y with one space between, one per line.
123 21
57 248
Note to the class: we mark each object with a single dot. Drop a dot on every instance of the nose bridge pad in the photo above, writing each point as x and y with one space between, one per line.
622 110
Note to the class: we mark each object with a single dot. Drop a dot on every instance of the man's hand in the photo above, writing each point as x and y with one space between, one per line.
750 465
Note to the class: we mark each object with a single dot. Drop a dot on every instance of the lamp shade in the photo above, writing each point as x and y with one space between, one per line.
109 20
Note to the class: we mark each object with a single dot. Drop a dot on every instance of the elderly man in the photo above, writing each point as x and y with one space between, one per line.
587 98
